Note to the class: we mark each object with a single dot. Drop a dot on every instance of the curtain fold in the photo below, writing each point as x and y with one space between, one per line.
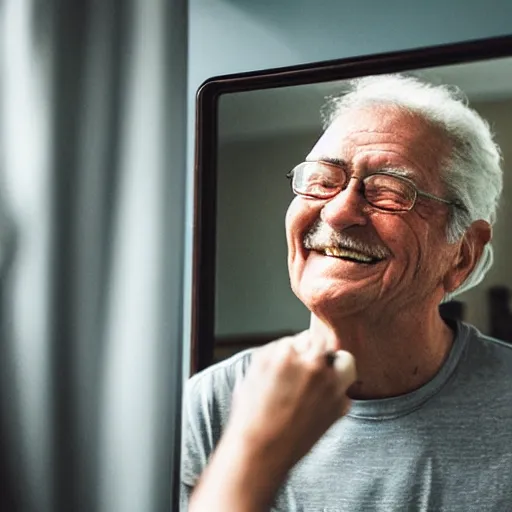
92 178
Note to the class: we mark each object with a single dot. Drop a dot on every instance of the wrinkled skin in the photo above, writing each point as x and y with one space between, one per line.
420 258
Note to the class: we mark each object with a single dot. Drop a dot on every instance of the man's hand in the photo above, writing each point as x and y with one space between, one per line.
292 393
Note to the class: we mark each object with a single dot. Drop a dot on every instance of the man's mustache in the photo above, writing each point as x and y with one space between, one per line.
321 236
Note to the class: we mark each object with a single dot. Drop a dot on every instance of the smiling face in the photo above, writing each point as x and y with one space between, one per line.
345 256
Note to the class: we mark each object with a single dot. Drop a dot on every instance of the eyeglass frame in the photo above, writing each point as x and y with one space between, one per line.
417 191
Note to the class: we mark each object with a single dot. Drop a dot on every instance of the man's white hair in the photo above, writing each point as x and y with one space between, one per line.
472 173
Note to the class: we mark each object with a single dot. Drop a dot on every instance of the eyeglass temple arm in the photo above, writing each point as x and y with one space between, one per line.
441 200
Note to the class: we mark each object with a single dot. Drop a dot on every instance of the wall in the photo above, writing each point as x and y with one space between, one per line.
253 289
231 36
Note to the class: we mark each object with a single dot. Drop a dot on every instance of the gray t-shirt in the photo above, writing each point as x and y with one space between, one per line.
445 447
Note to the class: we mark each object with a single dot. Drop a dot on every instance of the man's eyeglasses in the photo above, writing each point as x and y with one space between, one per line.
383 190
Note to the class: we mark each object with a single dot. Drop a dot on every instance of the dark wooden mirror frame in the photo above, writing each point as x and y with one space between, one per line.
205 183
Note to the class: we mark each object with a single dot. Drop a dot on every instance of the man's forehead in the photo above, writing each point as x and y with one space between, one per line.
379 124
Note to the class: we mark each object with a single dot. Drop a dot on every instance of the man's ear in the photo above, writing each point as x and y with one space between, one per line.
470 249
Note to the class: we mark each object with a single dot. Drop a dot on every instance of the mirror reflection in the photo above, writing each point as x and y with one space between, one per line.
263 135
375 395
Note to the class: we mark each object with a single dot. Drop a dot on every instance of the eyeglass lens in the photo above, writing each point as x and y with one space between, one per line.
322 181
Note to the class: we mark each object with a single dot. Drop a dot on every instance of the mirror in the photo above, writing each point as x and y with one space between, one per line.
261 135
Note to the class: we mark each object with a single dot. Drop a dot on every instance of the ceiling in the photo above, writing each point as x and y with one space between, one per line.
272 111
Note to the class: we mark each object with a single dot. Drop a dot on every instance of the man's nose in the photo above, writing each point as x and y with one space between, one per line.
348 208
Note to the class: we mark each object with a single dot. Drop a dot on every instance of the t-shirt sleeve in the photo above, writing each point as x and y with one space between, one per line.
196 434
197 430
185 492
206 407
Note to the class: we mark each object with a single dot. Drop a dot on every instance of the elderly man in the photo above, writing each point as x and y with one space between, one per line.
392 215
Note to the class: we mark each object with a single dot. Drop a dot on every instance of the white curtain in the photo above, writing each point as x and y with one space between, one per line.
92 178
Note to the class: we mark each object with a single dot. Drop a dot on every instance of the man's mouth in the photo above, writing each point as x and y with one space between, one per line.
322 239
349 255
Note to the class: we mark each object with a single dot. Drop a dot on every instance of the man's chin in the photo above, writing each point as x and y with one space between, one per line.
329 300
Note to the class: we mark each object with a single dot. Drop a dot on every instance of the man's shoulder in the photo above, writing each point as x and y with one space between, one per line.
489 358
487 346
221 376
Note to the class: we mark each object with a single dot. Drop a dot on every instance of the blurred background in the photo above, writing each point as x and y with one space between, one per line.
92 166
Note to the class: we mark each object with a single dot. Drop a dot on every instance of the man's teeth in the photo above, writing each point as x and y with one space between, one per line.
346 253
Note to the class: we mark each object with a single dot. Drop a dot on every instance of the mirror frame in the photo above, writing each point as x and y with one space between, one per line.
205 178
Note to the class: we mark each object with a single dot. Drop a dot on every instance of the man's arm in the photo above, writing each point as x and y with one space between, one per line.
237 479
284 405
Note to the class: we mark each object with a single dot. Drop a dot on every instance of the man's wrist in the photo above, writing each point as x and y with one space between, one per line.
242 475
259 467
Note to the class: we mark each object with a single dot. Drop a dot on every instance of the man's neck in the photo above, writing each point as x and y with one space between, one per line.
392 358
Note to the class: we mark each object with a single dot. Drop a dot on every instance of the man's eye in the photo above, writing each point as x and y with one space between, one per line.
330 184
321 186
323 181
326 184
